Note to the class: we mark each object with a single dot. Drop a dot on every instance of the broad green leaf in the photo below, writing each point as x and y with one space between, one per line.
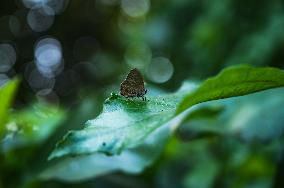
31 126
133 160
232 82
7 93
122 124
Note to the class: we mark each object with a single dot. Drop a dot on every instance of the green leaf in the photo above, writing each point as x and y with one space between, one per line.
132 161
122 124
31 126
232 82
204 122
258 117
7 93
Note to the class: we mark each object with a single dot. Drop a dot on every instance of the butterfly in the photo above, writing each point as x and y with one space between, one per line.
133 85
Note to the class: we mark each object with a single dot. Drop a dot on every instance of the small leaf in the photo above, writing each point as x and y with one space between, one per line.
7 93
232 82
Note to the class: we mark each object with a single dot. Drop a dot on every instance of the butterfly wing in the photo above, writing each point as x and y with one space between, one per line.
133 85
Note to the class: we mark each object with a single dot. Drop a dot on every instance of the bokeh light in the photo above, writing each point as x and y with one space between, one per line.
34 3
135 8
3 79
8 57
160 70
40 19
158 32
138 55
14 25
48 57
5 32
39 82
18 24
58 6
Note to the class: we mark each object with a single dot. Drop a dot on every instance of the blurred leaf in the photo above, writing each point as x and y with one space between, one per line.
249 164
245 117
7 93
31 126
203 122
82 167
259 117
203 174
205 112
232 82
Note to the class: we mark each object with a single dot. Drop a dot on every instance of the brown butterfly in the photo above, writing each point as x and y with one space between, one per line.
133 85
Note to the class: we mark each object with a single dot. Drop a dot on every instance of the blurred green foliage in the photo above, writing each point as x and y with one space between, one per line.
6 95
237 142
